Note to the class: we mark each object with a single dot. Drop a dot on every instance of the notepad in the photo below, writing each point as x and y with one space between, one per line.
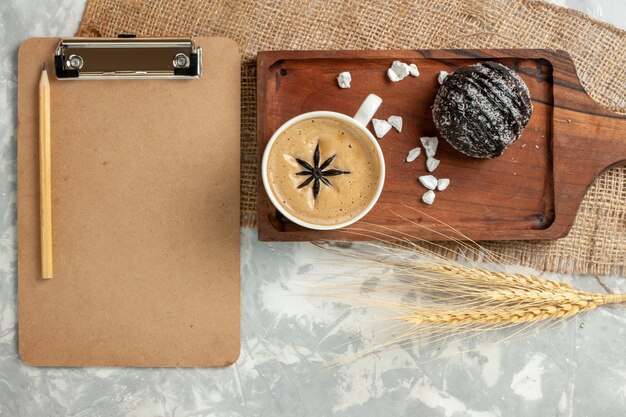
145 212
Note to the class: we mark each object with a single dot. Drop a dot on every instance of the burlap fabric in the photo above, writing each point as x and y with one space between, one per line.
597 242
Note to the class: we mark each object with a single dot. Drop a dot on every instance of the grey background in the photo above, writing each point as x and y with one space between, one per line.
290 334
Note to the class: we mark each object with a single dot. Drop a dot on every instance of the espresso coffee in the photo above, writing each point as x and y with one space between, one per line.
323 171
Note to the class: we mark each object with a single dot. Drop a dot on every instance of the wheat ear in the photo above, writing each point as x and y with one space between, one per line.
435 297
478 296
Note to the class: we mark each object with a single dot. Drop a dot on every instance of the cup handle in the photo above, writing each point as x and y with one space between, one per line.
368 109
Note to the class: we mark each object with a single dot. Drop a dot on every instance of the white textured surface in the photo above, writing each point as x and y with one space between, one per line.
576 368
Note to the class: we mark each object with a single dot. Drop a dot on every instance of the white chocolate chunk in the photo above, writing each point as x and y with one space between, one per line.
430 145
413 70
400 68
344 79
393 77
432 164
413 154
381 127
428 197
442 76
428 181
395 121
442 183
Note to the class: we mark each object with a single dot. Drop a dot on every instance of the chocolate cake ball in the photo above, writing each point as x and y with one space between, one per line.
481 109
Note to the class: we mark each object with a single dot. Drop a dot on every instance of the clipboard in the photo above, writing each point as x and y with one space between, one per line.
145 204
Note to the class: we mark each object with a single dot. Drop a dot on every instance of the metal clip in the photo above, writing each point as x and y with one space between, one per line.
127 58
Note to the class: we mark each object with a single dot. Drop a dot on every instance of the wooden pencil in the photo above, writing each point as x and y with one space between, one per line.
45 180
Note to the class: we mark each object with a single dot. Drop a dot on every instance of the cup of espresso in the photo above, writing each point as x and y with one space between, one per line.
325 170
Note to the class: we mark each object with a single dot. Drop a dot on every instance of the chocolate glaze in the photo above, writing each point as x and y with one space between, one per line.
481 109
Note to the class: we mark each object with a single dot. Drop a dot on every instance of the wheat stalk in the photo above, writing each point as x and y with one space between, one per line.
434 296
458 295
497 297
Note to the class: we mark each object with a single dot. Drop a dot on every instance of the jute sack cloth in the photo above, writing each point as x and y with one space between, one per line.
597 242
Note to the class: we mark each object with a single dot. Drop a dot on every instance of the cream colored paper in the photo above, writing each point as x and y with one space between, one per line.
145 188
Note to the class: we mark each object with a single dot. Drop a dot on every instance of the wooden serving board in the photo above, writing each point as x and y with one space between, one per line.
532 191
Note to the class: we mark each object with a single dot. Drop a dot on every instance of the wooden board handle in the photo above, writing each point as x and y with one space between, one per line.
588 139
609 130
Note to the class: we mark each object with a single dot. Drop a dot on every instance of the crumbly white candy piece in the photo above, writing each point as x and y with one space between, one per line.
413 70
442 76
344 79
413 154
393 77
442 183
395 121
430 145
428 197
398 71
381 127
400 68
428 181
432 164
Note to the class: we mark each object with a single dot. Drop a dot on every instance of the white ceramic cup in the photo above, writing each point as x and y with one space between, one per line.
359 122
